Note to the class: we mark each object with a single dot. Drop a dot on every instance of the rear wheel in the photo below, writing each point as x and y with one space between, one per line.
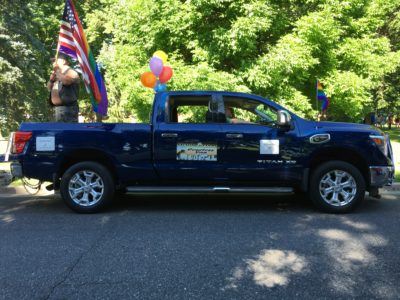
87 187
337 187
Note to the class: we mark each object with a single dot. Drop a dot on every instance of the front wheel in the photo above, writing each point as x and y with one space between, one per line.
337 187
87 187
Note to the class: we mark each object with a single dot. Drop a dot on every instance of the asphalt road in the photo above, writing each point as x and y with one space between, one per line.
191 247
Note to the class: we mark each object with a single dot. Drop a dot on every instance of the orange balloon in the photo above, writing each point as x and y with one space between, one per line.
148 79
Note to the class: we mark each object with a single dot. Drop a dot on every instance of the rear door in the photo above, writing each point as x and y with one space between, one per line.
186 146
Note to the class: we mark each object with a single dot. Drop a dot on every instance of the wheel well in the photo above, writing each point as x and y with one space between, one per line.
345 155
87 155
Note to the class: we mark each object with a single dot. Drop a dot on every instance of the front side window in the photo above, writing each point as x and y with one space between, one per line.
248 111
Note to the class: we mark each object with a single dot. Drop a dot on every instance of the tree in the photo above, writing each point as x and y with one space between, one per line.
24 63
277 49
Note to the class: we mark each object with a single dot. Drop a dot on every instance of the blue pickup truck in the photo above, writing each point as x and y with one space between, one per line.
193 145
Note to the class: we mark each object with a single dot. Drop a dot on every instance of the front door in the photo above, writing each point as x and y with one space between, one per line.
255 151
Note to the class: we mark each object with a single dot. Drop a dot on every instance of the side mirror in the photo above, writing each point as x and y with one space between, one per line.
284 119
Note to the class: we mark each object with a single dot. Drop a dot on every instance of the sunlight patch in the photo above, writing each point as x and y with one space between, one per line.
335 234
374 240
391 197
346 249
16 208
104 220
238 274
274 267
7 218
269 269
350 252
358 225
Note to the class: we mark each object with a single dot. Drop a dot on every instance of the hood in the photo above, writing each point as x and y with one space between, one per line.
343 125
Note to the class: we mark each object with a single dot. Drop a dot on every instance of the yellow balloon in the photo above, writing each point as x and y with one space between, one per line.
162 55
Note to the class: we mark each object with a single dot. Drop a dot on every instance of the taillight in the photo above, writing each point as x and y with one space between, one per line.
20 140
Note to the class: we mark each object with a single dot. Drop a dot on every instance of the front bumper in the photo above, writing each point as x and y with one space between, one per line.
381 176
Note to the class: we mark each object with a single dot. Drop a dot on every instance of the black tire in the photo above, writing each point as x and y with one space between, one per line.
94 190
337 187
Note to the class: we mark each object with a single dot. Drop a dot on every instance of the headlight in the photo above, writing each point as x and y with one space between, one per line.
381 142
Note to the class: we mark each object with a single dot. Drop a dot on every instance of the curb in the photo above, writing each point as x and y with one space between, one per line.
394 187
390 190
5 178
20 191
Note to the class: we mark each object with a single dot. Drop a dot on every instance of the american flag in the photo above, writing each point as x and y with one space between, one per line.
72 42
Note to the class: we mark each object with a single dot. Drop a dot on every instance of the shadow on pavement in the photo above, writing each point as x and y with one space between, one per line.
222 202
180 203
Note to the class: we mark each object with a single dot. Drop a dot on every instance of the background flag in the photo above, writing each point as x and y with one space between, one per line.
72 42
322 97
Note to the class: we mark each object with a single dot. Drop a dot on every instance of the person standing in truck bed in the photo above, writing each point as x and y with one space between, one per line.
64 90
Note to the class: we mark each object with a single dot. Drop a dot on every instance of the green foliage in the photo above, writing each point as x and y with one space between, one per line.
351 96
23 62
274 48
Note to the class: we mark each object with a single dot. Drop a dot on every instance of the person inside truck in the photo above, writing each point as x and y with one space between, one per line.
230 117
63 85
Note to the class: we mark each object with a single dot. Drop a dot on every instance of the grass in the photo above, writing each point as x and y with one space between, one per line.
17 182
394 134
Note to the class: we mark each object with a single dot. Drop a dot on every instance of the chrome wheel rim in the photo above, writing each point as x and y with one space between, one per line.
86 188
337 188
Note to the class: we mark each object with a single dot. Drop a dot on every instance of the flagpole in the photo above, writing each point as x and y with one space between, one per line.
58 49
316 96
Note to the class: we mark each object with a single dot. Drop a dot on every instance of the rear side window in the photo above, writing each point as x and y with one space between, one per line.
187 109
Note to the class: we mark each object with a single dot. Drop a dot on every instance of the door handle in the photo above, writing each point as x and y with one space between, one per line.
169 135
234 135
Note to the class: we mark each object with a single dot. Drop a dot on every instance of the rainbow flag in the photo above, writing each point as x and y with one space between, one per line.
72 42
322 97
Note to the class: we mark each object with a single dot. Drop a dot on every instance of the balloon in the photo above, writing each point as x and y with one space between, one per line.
162 55
166 74
156 65
160 87
148 79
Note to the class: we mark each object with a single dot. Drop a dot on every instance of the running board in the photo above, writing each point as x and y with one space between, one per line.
197 189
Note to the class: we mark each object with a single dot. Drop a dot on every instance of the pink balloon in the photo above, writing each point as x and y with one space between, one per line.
166 74
156 65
